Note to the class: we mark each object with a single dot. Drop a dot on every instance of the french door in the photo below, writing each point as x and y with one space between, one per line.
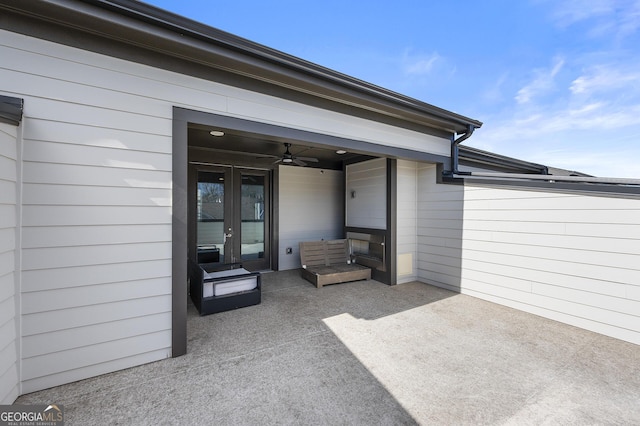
230 216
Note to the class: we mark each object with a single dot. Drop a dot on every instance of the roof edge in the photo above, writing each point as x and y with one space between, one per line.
183 25
178 36
475 156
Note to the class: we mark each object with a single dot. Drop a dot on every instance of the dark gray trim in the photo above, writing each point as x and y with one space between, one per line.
392 220
475 157
266 262
179 233
275 222
99 24
280 133
11 110
563 187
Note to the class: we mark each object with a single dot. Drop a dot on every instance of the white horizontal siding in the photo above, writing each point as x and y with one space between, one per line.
94 360
9 380
40 344
572 257
67 174
406 220
60 236
147 90
62 278
311 208
439 230
366 194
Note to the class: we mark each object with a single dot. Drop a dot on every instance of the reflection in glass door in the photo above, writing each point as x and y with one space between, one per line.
252 201
230 216
210 212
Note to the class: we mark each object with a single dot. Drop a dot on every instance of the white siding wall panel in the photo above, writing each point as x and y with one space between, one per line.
59 299
63 278
40 344
571 257
311 208
67 174
9 381
366 194
439 230
285 113
131 85
406 217
52 236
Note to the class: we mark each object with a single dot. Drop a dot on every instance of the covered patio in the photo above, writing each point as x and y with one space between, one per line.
368 353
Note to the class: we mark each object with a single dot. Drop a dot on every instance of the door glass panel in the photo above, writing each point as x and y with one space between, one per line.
210 217
252 217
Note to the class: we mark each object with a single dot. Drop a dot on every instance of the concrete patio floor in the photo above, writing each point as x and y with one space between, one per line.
364 353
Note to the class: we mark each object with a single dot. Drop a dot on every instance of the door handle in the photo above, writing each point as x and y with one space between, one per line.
228 235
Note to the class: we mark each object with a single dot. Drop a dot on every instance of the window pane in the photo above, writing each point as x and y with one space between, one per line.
252 215
210 217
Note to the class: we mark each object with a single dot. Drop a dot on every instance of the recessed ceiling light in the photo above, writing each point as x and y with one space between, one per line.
341 151
217 133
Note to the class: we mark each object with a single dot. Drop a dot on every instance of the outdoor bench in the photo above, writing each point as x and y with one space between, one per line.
329 262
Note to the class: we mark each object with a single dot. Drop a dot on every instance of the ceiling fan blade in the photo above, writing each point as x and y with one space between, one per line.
298 162
309 159
279 160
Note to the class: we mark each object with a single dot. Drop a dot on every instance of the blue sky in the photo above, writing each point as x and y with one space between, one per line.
555 82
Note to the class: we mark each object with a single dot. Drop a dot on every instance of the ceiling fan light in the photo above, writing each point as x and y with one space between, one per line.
341 151
287 160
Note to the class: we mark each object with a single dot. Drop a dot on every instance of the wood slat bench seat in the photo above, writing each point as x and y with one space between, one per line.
329 262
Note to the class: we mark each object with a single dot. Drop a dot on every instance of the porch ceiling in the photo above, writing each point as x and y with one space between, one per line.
263 151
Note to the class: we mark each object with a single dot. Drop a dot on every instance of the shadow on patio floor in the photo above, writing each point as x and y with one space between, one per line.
367 353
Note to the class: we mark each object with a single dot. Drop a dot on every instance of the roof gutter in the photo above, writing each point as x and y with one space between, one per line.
455 149
552 178
11 110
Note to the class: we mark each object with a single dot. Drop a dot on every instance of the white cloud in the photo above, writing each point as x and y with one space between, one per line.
419 64
569 12
542 83
617 18
594 129
602 78
630 20
495 92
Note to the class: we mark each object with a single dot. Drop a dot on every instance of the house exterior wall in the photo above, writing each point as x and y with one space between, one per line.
571 257
439 223
407 224
311 208
9 382
96 207
366 194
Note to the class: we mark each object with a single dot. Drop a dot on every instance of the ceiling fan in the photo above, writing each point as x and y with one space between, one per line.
288 158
